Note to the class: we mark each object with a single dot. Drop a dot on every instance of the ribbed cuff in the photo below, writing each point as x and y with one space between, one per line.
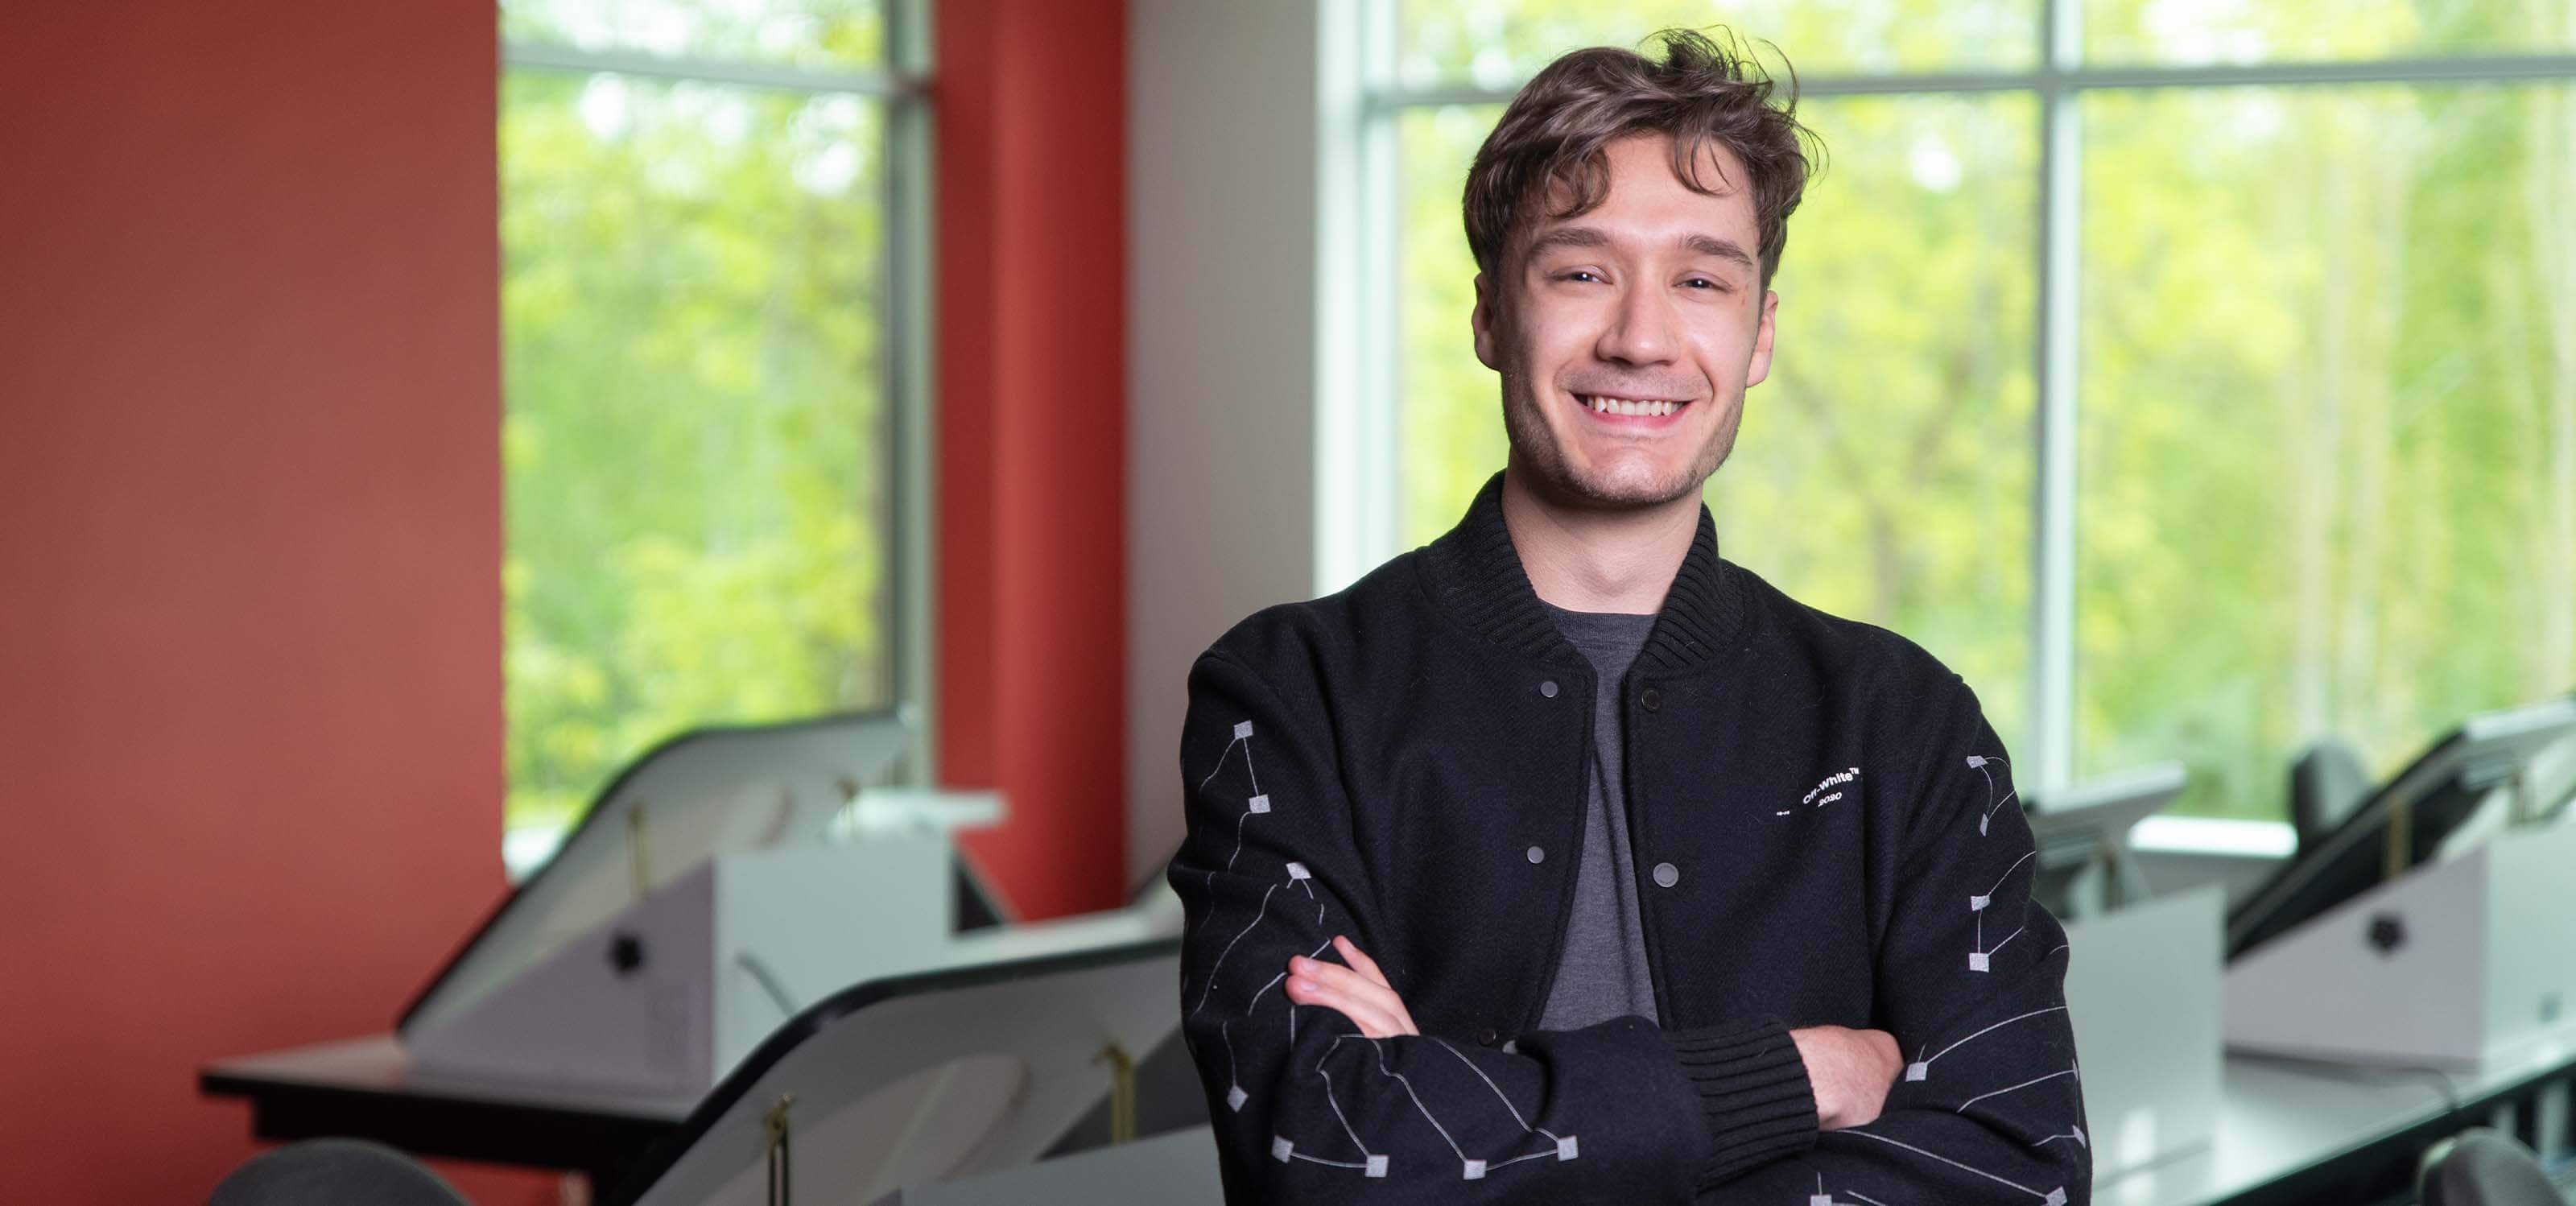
1753 1086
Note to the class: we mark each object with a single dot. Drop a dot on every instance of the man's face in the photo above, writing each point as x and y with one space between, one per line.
1650 303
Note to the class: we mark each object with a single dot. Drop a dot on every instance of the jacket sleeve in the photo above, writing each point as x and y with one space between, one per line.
1305 1109
1971 982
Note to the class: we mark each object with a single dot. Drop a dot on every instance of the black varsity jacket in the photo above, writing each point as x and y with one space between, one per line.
1825 832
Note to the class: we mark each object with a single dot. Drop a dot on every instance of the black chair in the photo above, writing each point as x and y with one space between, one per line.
2480 1167
334 1172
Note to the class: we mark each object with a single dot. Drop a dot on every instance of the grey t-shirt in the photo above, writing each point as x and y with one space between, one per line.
1601 971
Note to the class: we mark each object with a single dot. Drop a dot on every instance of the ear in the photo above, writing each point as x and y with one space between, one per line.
1761 364
1483 322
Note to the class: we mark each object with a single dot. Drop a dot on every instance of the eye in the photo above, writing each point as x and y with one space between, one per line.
1578 272
1703 281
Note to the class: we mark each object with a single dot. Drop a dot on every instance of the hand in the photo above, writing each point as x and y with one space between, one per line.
1358 992
1850 1070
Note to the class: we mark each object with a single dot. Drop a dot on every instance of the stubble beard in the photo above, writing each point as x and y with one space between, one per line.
1534 449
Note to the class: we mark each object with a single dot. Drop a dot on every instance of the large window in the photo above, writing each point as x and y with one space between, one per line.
2327 438
2197 379
703 240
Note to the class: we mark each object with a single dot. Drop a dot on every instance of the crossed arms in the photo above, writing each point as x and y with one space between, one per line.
1322 1087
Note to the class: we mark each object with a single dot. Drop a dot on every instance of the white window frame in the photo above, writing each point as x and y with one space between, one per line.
902 87
1358 492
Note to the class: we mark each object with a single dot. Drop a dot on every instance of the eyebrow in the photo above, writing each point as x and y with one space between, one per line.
1695 243
1717 248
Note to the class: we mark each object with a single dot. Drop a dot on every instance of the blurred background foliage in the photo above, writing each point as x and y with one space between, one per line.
2326 378
695 446
2326 381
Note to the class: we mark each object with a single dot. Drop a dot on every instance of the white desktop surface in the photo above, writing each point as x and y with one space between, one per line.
378 1063
2277 1118
2274 1118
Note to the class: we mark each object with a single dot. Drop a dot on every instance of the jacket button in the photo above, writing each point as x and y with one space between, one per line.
1547 689
1651 700
1666 875
1486 1037
1537 855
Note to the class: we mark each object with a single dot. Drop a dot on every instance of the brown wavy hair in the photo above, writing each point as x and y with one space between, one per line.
1705 89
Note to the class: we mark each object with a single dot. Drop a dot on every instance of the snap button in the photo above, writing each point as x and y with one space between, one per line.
1666 875
1548 689
1537 855
1652 699
1486 1037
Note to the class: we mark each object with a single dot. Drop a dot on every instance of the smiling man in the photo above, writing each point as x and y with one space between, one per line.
1562 860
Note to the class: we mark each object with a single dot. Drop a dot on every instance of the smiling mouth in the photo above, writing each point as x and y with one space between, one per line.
1607 406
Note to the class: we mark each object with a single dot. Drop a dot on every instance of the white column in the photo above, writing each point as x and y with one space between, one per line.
1222 302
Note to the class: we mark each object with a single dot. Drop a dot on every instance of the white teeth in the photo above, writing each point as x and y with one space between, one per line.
1620 406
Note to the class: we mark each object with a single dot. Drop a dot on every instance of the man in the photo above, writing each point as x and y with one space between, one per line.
1561 860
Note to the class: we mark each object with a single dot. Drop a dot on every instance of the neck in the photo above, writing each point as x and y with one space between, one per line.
1613 559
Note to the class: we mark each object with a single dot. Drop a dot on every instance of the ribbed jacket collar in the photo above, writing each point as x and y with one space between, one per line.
1474 571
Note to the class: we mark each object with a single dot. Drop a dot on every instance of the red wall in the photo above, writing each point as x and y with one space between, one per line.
1031 103
250 677
250 525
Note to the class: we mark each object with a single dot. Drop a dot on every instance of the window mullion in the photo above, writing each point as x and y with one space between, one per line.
912 608
2053 502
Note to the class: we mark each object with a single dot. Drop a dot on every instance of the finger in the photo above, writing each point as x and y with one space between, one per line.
1346 981
1355 986
1359 960
1368 1021
1373 1022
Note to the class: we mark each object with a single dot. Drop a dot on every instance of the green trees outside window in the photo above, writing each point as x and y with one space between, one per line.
2328 430
2324 382
695 439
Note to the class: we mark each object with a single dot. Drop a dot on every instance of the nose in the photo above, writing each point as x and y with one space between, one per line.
1641 332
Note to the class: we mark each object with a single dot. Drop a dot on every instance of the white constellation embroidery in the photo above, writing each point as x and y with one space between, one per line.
1921 1068
1821 1198
2054 1197
1963 1106
1371 1164
1982 958
1979 761
1566 1146
1977 904
1257 805
2076 1134
1210 987
1470 1169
